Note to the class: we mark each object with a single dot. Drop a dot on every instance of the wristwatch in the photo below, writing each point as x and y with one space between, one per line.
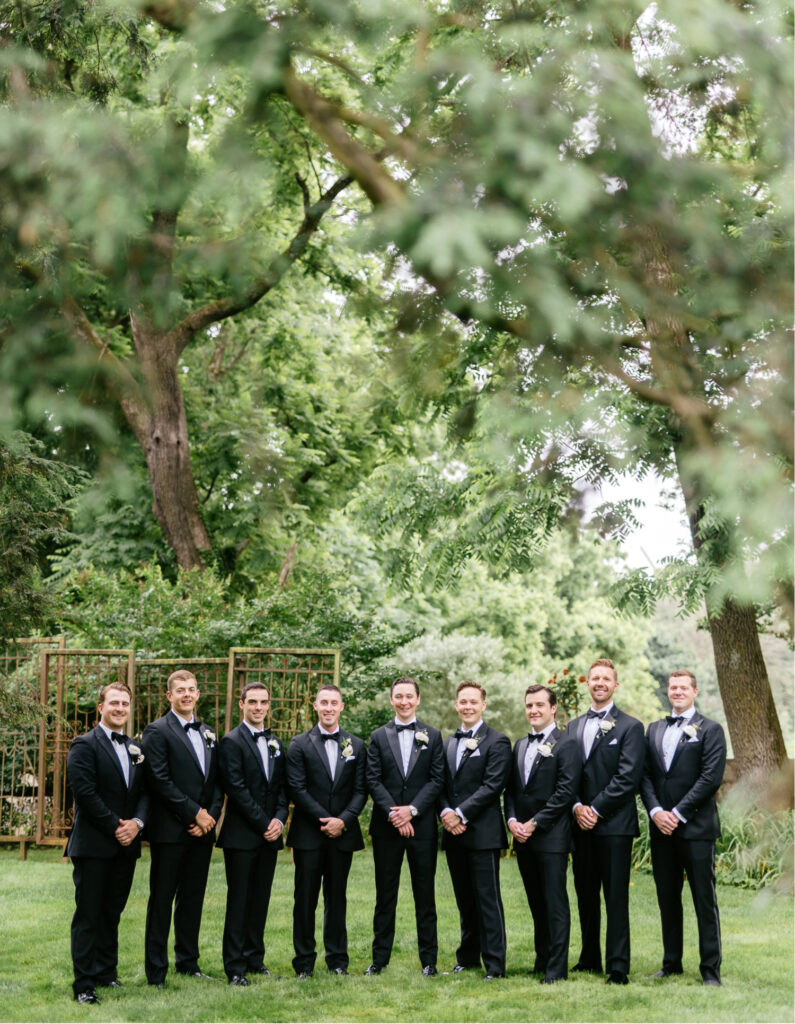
413 810
139 823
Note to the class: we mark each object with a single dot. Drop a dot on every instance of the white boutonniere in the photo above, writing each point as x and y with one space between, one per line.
421 738
471 743
606 724
545 750
209 737
135 753
347 749
691 730
273 746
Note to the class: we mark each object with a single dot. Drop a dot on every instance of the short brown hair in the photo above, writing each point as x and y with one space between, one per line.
537 688
474 686
680 672
255 684
113 686
404 681
328 686
605 663
182 675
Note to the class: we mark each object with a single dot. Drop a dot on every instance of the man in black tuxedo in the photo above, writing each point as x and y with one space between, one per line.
181 758
685 760
326 780
251 762
538 800
612 749
405 774
106 774
477 763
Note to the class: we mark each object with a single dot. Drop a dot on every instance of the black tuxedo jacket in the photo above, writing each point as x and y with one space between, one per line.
178 786
548 795
693 779
610 776
102 798
253 800
316 796
475 789
421 786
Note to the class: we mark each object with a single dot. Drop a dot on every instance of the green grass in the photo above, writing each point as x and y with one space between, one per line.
36 900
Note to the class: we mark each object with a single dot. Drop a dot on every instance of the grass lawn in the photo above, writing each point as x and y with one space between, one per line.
36 901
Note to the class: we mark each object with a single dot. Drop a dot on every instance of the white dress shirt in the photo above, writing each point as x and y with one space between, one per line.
406 741
195 737
121 752
262 748
332 749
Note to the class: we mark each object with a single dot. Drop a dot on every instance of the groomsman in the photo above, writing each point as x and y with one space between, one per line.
606 819
405 773
538 800
685 760
326 780
106 775
477 763
181 758
251 762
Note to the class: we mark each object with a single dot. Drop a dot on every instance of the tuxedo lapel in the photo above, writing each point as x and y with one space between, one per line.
696 720
551 739
394 745
609 717
481 737
343 736
179 729
521 752
319 747
251 743
657 741
452 746
106 746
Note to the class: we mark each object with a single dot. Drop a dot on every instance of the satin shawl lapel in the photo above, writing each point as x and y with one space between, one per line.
106 746
452 746
179 730
394 745
696 720
343 736
521 751
657 740
609 717
552 738
319 746
481 735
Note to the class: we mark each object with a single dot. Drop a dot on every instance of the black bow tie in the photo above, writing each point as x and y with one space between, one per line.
411 725
674 719
118 737
595 714
265 734
329 736
463 734
192 725
534 737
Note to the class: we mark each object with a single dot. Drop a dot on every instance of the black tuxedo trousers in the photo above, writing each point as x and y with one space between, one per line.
102 885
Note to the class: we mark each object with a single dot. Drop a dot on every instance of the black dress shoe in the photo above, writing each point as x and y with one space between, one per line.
114 984
586 970
239 979
711 979
89 996
374 969
550 981
338 970
460 967
304 975
617 978
196 974
429 971
665 972
493 977
259 970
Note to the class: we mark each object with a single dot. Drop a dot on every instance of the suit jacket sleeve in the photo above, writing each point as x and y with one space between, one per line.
426 797
230 762
358 798
142 807
648 793
216 803
495 774
155 748
81 768
565 784
297 781
626 779
282 808
710 776
375 773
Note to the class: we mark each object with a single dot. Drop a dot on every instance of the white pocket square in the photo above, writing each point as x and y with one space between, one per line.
475 753
612 743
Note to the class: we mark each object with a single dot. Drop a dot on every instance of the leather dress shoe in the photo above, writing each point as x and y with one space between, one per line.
711 979
665 972
460 967
617 978
549 981
429 971
374 969
581 968
339 970
493 977
259 970
89 996
304 975
114 984
239 979
196 974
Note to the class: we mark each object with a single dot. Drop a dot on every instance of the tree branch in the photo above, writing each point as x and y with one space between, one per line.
213 312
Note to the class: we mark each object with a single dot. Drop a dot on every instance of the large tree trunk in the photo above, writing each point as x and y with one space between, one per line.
162 432
754 727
